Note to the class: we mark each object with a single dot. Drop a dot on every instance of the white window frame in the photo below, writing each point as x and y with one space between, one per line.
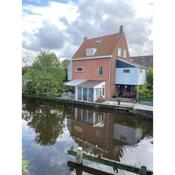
79 67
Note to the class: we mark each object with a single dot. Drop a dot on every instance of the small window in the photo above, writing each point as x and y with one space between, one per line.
120 52
100 70
79 69
126 70
98 41
124 53
140 70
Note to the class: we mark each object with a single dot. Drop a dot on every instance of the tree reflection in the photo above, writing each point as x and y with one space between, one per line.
46 120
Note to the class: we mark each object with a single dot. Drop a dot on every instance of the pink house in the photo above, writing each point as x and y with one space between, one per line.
99 66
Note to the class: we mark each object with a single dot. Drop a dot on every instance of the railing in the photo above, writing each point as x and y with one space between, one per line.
116 165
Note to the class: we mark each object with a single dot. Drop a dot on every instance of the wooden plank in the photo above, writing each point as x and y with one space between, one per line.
83 168
111 163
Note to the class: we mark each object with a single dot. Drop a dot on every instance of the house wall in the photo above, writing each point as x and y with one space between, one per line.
91 71
134 77
121 44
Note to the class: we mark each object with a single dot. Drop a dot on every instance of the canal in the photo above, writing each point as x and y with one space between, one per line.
50 129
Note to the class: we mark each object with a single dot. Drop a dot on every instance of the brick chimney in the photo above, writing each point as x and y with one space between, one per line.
85 38
121 29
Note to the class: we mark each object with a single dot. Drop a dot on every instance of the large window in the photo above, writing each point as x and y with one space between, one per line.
99 92
100 70
79 93
90 94
79 69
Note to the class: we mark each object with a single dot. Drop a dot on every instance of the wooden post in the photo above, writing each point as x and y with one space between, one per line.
79 156
143 170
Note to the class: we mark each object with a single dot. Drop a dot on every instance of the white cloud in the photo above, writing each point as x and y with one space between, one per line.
70 22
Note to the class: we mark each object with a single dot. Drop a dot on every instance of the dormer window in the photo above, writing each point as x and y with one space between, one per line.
90 51
122 53
98 41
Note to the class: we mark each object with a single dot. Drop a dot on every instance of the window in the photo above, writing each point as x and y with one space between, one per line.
90 51
103 91
79 93
140 70
120 52
126 70
100 70
79 69
98 41
99 92
124 53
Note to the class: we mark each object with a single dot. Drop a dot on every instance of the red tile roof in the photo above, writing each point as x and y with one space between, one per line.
105 47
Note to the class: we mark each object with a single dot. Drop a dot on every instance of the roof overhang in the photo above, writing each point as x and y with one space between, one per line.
74 82
90 58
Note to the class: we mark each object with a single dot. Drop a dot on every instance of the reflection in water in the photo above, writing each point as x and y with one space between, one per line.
111 135
46 120
104 133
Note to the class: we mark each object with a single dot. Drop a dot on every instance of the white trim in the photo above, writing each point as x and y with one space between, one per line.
89 58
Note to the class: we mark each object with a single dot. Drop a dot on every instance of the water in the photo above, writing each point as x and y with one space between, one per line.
49 130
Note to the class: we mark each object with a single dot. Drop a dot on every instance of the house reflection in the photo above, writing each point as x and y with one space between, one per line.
103 133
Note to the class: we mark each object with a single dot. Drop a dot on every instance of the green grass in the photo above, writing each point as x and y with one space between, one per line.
25 165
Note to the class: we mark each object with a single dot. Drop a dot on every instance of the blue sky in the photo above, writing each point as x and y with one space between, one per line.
60 25
44 2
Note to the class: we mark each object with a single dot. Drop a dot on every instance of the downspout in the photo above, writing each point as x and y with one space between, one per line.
109 93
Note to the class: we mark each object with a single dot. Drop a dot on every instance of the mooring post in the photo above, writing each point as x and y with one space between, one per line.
79 156
143 170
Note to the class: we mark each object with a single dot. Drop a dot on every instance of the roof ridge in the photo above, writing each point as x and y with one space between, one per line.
103 36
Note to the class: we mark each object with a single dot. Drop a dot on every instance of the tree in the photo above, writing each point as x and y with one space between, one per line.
146 91
45 76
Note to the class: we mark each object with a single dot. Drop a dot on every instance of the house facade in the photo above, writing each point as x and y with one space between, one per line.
101 68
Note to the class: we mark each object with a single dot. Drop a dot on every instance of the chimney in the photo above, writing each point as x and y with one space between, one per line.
121 28
85 38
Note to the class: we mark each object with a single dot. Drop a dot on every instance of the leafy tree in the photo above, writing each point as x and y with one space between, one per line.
45 76
146 91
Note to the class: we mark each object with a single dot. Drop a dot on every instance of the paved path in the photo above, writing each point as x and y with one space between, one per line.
132 105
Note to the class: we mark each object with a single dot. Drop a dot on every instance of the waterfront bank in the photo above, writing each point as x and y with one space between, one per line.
143 111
